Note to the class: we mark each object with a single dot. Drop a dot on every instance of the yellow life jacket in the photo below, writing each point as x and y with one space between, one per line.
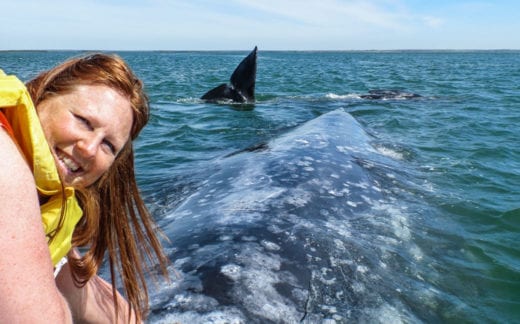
16 104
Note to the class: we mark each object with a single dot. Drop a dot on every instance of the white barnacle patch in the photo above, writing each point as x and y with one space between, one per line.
339 245
275 229
362 269
334 175
345 149
271 246
304 162
358 287
325 276
231 271
303 142
329 309
367 199
341 228
259 274
398 220
416 252
338 193
352 204
298 198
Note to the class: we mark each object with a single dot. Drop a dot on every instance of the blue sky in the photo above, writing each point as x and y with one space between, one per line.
270 24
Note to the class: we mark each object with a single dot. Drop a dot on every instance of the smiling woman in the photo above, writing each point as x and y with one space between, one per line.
69 135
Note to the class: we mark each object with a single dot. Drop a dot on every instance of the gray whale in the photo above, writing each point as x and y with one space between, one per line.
302 229
386 94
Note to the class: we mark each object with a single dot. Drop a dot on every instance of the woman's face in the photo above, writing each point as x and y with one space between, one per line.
85 129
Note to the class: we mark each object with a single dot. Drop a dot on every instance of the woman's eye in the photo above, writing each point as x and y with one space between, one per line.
84 121
110 146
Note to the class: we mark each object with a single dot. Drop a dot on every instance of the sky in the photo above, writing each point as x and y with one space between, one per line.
269 24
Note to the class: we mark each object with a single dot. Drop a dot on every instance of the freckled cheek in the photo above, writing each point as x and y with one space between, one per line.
61 135
103 166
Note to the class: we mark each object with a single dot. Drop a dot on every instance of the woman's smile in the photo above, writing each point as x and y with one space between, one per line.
68 162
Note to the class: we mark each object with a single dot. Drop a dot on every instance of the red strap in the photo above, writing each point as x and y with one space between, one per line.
5 124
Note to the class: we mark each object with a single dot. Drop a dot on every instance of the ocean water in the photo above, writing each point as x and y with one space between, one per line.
446 162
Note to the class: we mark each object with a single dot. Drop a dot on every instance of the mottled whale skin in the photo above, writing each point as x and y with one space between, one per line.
242 83
299 229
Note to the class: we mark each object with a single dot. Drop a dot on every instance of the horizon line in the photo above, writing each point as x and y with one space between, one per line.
266 50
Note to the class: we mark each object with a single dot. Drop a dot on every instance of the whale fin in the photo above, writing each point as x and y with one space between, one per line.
243 79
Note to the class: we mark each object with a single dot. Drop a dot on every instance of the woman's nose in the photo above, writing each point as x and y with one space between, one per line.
88 146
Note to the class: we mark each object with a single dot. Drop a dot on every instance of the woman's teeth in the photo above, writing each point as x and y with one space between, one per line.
69 163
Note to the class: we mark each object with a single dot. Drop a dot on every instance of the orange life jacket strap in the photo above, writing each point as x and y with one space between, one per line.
5 124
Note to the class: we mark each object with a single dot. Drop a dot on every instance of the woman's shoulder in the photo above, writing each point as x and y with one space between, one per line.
17 185
25 259
15 174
